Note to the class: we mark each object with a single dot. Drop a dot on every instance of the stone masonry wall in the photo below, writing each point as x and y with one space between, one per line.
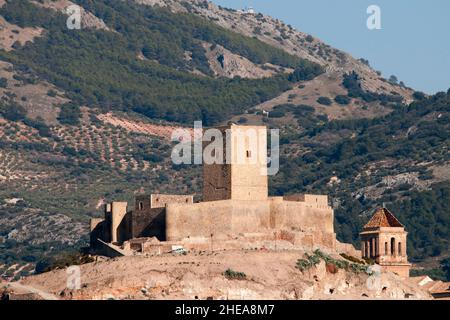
230 218
149 223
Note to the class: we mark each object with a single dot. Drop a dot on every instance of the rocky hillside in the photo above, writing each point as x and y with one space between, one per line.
86 117
278 34
230 275
221 43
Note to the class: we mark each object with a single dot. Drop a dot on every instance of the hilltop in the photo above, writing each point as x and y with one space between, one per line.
200 275
86 116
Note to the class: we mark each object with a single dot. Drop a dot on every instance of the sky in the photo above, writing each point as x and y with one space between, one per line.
412 44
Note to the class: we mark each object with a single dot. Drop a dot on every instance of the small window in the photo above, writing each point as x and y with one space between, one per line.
399 248
249 153
386 250
141 205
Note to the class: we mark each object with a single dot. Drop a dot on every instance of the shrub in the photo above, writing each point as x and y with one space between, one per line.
242 120
40 125
418 95
342 100
70 114
393 79
234 275
369 261
306 71
309 38
310 261
353 85
276 114
12 111
325 101
351 258
51 93
331 264
3 82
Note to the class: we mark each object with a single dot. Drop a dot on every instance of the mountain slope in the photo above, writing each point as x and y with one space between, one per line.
86 116
401 160
278 34
80 60
84 64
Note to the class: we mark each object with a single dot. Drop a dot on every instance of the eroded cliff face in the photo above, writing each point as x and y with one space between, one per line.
268 275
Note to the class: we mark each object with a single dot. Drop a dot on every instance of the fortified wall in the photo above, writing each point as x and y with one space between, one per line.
236 207
303 223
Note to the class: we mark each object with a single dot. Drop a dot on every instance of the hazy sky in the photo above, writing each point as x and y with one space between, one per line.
413 44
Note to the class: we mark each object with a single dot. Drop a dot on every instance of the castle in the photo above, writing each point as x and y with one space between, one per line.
236 211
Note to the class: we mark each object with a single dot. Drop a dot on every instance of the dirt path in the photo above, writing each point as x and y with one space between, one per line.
29 289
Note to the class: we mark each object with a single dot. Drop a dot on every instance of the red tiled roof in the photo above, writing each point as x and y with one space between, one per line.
383 218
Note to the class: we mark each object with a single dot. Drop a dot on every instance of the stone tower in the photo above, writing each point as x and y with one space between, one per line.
384 240
242 175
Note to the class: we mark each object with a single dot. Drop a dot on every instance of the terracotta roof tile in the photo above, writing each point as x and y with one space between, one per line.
383 218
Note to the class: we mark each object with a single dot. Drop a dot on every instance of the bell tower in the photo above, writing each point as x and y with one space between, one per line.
383 239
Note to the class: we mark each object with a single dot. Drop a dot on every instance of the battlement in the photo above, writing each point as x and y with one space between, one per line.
152 201
310 200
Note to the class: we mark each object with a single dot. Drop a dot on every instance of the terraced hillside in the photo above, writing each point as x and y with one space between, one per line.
51 186
86 117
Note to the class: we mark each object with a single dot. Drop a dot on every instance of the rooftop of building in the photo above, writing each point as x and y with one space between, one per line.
383 218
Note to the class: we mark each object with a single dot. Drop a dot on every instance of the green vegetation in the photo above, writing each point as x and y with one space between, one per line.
358 143
234 275
427 220
70 114
40 125
393 79
242 120
304 114
97 67
325 101
307 263
306 71
351 258
342 100
352 83
51 93
314 259
100 68
442 273
3 82
419 95
276 113
12 111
